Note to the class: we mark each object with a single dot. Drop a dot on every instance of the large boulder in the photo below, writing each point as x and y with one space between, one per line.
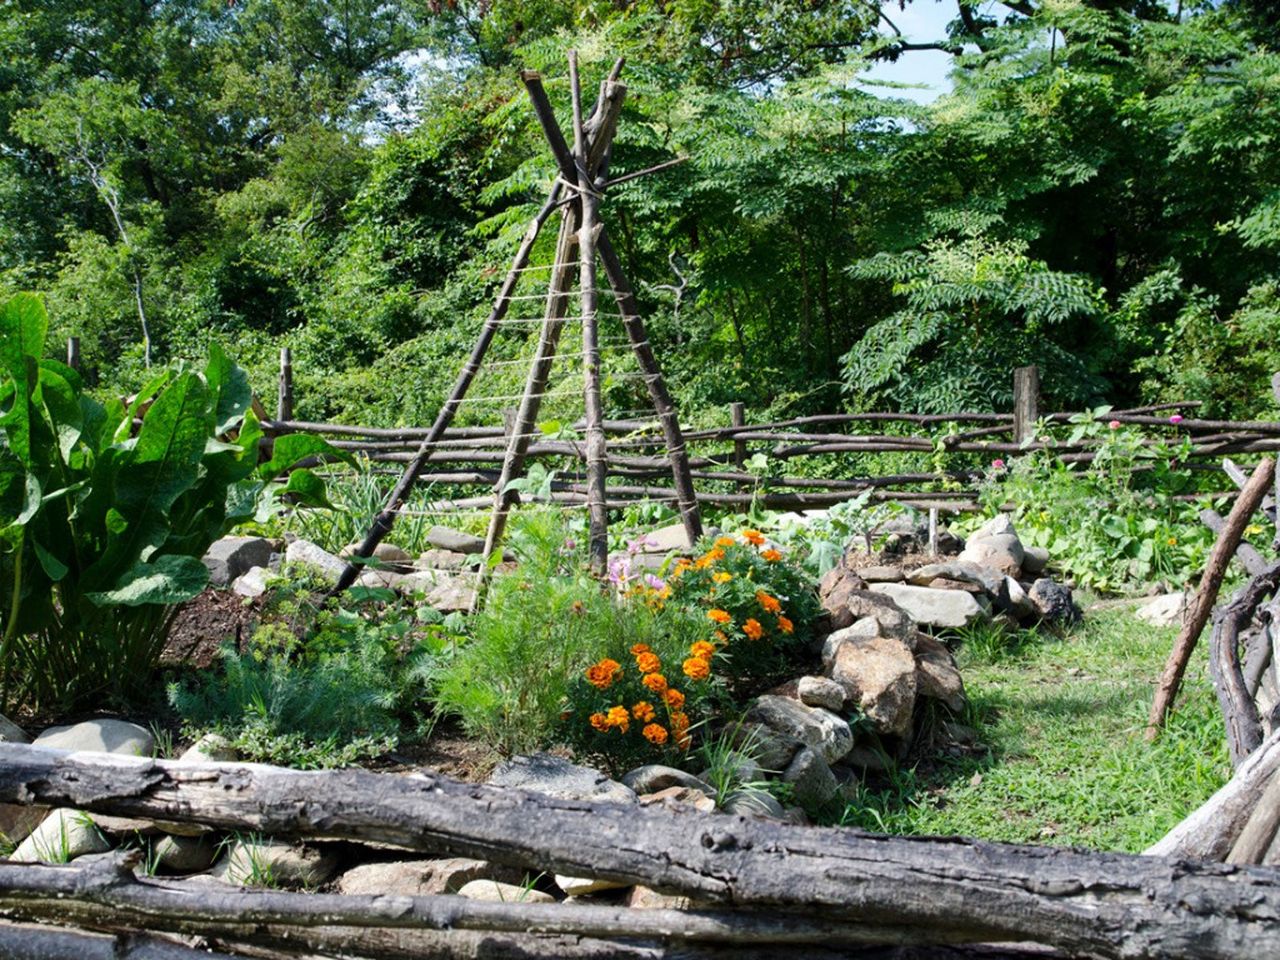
666 539
232 557
935 608
267 863
811 777
879 605
1054 602
937 675
446 538
419 878
324 563
1002 552
962 571
62 836
1166 610
879 678
771 749
104 735
184 854
820 729
820 692
557 777
653 777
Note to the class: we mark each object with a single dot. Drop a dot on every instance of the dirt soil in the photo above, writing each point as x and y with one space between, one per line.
205 623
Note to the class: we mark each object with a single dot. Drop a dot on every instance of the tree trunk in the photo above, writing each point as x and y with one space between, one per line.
1112 905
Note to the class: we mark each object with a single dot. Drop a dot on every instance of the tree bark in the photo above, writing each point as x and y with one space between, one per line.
1113 905
1198 614
1239 711
23 941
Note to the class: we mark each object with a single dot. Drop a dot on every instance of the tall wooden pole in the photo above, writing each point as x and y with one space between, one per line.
1026 402
284 401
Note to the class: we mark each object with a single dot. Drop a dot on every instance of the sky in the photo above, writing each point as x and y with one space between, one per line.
921 22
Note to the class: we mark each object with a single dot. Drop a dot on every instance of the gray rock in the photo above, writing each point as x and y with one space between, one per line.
324 563
184 854
101 736
654 777
935 608
882 574
937 675
820 692
666 539
1164 611
811 777
881 607
771 749
646 898
497 892
1034 560
455 541
1018 604
998 526
62 836
17 820
10 732
380 578
443 560
879 678
741 768
383 553
1002 552
267 863
680 795
418 878
211 748
454 596
753 803
252 583
556 777
231 557
585 886
820 729
1054 602
961 570
865 629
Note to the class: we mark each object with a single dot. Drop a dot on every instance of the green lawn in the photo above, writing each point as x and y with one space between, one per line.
1066 763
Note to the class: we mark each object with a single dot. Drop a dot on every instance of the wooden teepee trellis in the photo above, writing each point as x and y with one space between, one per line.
579 188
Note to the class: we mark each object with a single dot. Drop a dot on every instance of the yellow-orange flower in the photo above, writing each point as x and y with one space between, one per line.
703 649
600 722
773 556
770 604
695 668
648 663
655 682
719 616
674 699
752 629
753 537
618 717
785 625
655 733
708 558
643 711
725 542
679 723
721 636
601 674
722 576
639 648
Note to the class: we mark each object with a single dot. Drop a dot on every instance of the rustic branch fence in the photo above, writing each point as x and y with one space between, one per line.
470 458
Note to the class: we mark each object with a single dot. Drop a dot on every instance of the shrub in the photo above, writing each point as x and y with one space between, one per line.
102 526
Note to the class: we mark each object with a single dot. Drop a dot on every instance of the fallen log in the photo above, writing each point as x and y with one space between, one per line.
1211 831
1240 712
1112 905
20 941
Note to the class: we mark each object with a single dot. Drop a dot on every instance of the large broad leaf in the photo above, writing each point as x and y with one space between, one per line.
294 448
307 488
23 325
124 426
168 580
229 385
62 403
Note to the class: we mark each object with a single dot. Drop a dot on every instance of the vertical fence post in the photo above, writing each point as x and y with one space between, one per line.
738 418
1026 402
73 353
284 402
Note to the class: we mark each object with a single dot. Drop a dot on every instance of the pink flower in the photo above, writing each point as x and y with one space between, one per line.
654 583
1176 419
1114 424
997 464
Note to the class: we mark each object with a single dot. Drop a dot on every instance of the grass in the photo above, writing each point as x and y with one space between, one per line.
1062 719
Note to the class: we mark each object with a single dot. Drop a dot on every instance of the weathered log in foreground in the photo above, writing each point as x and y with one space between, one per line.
1108 904
20 941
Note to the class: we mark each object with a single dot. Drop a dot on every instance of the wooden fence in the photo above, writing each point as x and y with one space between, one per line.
470 458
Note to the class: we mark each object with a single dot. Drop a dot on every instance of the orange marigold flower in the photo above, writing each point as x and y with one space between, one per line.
618 717
753 537
703 649
708 558
640 648
674 698
655 733
600 722
655 682
643 711
695 668
719 616
648 663
753 629
770 604
722 576
773 556
679 722
601 674
721 636
725 542
785 625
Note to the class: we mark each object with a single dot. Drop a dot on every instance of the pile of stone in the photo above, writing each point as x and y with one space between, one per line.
443 576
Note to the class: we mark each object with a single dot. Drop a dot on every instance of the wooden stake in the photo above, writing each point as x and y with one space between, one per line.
284 402
73 353
1026 402
1198 614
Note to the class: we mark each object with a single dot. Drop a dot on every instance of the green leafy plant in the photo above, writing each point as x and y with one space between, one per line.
105 511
